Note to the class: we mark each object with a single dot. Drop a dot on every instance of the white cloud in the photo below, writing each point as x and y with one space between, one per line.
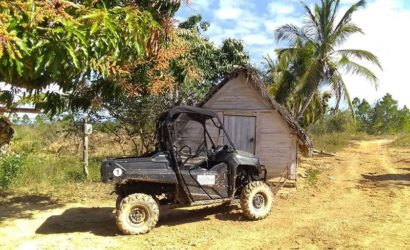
277 8
383 22
257 39
201 4
227 13
272 24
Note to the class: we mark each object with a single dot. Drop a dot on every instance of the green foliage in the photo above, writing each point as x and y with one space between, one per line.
10 167
333 131
341 122
312 176
68 44
212 62
385 115
314 59
383 118
134 116
193 73
332 142
75 176
50 156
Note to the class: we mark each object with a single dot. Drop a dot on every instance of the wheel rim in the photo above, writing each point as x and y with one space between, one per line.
259 201
138 215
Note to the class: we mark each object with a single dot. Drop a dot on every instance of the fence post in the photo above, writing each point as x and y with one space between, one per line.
87 130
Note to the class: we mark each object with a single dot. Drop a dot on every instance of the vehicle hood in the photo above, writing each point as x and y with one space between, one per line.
245 158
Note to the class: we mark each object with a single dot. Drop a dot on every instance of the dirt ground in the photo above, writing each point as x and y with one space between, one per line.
361 200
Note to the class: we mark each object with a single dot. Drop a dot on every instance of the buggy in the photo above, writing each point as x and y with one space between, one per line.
194 163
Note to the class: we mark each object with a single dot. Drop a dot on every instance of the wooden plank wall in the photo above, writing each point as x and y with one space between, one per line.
276 146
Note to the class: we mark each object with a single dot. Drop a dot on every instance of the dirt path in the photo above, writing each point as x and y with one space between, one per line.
361 201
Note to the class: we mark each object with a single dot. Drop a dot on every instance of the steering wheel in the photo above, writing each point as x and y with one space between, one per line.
216 150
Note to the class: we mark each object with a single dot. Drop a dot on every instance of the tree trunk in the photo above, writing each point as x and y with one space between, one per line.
305 106
6 132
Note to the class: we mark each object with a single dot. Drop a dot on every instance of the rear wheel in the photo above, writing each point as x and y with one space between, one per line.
137 214
256 200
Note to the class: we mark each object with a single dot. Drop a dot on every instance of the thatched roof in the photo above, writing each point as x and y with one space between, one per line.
252 77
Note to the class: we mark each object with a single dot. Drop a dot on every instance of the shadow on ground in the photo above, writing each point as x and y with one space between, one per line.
101 220
25 206
383 180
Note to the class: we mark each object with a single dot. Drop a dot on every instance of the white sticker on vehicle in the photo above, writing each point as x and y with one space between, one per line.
206 179
117 172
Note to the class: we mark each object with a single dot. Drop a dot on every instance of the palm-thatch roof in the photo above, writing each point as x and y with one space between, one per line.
252 77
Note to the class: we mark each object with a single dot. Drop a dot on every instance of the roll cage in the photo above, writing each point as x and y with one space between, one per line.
176 123
168 132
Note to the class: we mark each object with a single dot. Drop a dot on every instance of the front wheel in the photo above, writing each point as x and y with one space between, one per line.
118 201
256 200
137 214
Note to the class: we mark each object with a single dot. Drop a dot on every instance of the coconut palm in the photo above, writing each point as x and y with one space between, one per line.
315 59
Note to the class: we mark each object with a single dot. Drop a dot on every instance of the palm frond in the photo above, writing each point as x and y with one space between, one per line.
312 24
348 14
360 54
291 33
357 69
334 11
340 88
340 36
291 52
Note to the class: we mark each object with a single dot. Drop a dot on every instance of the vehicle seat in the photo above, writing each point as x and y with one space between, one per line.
218 167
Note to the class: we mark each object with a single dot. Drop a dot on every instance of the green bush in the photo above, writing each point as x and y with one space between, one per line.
341 122
312 176
10 164
75 176
333 132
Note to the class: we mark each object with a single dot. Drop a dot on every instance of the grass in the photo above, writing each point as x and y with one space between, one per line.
49 160
331 142
402 141
312 176
335 142
52 161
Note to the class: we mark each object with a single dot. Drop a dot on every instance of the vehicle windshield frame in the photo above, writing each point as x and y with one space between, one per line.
166 125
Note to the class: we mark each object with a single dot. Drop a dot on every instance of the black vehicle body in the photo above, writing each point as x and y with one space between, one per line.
182 174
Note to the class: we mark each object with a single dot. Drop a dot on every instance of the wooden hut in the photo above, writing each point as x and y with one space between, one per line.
257 123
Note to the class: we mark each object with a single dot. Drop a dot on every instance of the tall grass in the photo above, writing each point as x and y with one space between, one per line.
333 132
331 142
52 158
402 141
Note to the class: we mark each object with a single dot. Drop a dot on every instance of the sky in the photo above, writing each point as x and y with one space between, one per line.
385 23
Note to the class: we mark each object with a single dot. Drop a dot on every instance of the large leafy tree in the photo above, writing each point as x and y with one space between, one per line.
286 75
74 45
382 118
363 113
315 60
85 50
385 117
197 66
46 42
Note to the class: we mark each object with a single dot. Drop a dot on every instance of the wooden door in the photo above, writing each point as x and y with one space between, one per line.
241 130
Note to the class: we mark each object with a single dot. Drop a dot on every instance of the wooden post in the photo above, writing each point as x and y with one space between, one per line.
85 147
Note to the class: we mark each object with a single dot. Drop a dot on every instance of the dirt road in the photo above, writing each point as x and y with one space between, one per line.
361 201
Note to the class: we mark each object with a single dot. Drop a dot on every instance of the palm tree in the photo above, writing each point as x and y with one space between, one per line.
314 60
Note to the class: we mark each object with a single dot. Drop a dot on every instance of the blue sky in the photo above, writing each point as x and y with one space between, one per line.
385 23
